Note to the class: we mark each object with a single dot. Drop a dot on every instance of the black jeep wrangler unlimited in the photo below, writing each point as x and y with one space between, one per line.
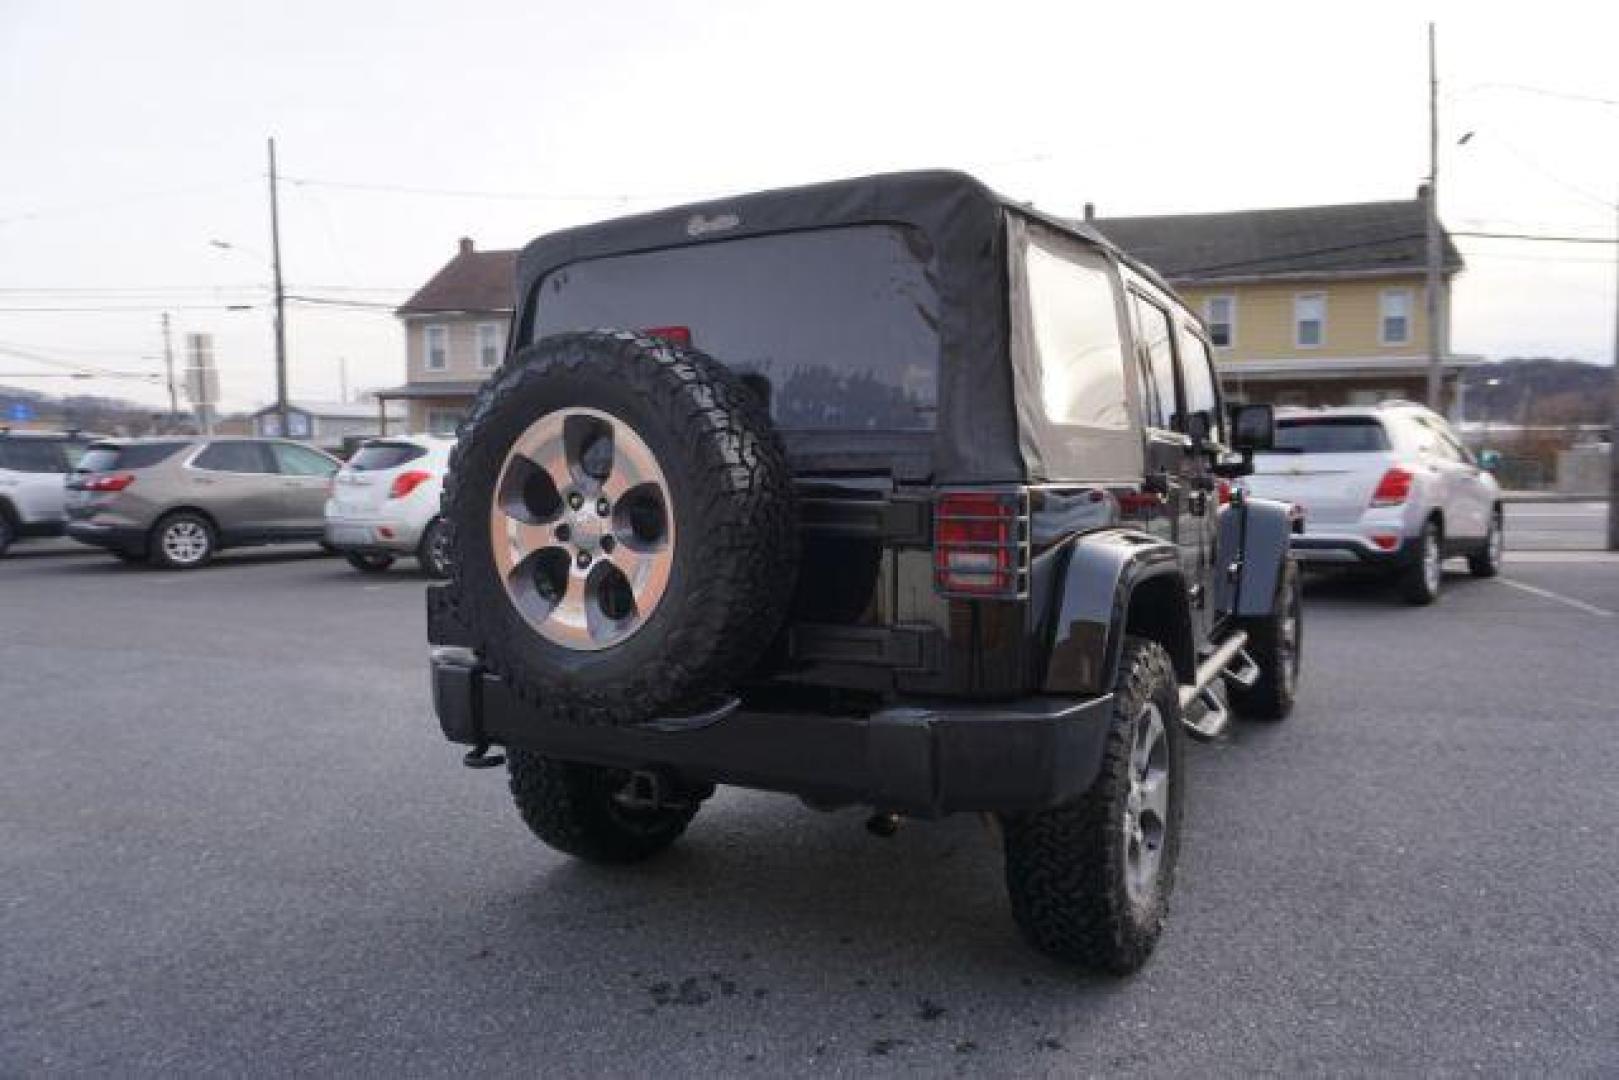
884 492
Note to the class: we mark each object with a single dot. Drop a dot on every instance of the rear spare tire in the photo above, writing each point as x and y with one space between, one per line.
623 539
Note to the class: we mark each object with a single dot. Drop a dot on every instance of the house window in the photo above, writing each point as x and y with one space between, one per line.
443 421
1309 319
1220 312
1395 309
488 345
437 348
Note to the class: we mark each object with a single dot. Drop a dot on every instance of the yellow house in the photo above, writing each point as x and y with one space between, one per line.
455 335
1309 305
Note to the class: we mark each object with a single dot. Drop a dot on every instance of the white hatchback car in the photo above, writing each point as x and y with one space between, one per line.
1389 487
33 466
385 503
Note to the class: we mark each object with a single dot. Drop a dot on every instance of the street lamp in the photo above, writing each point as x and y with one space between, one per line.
278 320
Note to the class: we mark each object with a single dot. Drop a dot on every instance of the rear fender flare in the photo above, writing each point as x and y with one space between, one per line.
1262 550
1091 609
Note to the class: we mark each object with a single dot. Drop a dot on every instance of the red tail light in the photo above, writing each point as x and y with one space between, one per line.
1394 488
113 482
407 482
674 335
980 543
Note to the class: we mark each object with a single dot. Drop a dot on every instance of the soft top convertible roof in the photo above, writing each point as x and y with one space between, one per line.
962 224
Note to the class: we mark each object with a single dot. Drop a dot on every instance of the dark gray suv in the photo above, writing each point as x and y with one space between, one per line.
176 502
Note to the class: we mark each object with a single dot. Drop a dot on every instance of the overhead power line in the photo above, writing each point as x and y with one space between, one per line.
1541 237
95 309
1542 91
1333 249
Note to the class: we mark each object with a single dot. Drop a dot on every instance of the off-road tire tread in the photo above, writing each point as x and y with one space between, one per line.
729 614
1268 699
568 807
1065 866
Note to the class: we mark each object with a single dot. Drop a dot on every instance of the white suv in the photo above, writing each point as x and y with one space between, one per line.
385 503
33 467
1389 487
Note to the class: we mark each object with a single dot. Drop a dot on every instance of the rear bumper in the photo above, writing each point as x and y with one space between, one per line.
928 761
111 537
372 535
1323 550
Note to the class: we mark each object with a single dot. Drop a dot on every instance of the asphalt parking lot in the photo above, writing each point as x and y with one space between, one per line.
231 841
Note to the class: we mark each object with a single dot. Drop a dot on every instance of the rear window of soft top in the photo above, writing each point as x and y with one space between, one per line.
1330 435
841 324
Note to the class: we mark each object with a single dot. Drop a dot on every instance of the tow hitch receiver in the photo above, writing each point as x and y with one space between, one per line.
479 757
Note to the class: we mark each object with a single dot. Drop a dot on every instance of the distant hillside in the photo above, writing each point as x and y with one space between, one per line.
85 412
1540 391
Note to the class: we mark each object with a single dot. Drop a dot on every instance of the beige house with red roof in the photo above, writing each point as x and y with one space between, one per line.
455 335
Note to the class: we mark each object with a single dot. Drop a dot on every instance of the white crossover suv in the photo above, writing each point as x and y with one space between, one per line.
1387 487
385 503
33 466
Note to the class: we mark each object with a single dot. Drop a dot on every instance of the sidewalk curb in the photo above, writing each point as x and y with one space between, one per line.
1552 497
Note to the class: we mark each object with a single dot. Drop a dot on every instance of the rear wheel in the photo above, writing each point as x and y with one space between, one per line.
370 562
433 554
1420 582
1275 643
588 811
1090 881
182 541
1487 563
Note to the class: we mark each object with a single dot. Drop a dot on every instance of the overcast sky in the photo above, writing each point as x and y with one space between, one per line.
133 135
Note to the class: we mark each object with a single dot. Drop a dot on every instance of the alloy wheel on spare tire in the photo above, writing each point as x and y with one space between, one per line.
622 527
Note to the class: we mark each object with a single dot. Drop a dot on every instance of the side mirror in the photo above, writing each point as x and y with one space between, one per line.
1253 427
1489 460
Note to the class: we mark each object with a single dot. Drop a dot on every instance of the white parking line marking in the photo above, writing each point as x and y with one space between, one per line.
1549 595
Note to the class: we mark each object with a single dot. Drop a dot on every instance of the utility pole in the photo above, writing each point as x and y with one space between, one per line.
1613 404
280 305
1434 304
168 369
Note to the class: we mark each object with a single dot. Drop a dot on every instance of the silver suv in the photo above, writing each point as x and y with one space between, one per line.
1389 487
32 465
178 501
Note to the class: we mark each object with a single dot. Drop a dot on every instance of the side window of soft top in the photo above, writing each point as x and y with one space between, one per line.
1202 391
1155 357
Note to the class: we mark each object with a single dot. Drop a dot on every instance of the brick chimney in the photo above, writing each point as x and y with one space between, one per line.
466 245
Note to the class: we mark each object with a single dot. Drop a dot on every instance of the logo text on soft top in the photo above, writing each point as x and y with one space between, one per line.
698 225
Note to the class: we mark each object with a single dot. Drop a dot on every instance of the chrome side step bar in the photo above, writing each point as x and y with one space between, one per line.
1203 712
1244 670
